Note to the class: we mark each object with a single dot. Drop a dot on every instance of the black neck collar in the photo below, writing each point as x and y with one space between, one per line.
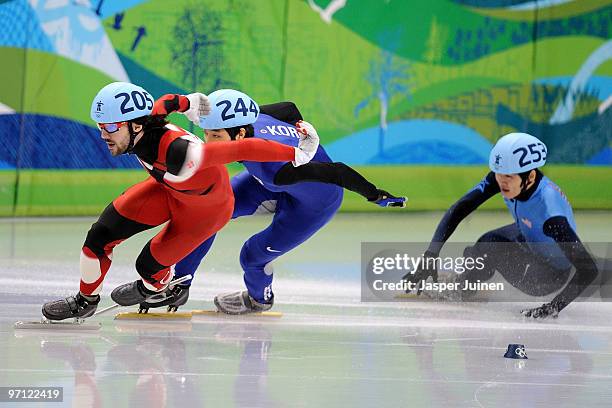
526 195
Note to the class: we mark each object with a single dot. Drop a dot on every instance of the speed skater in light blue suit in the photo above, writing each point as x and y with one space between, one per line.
310 194
538 252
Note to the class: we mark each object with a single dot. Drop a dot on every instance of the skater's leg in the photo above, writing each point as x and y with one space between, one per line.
494 248
189 264
179 295
293 224
249 195
141 207
504 250
193 219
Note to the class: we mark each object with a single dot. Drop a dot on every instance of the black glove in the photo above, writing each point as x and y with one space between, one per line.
386 199
551 309
427 269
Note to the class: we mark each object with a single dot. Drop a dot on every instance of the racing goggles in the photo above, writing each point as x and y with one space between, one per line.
110 127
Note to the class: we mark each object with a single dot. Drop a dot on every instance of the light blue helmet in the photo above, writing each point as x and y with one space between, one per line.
230 108
119 102
516 153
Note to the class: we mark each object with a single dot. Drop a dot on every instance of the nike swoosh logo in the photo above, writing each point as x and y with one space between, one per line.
272 250
166 278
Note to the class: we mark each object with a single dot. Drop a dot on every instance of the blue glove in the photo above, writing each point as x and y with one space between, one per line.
386 199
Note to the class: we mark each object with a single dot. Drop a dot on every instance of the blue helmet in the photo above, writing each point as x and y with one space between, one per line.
229 108
517 153
119 102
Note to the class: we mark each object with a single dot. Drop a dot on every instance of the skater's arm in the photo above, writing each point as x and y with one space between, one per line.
228 152
486 189
246 150
185 158
284 111
193 106
561 231
334 173
261 150
170 103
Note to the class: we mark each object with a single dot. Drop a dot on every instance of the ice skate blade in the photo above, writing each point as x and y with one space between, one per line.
153 316
44 324
218 313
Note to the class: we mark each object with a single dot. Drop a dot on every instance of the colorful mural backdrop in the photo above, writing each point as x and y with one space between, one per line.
421 82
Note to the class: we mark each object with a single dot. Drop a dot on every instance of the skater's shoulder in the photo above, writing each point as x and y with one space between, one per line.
550 200
171 132
176 142
551 192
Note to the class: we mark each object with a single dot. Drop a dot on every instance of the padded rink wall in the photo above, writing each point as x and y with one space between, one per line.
413 94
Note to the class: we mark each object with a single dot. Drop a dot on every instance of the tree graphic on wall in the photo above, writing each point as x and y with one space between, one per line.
434 47
388 77
197 49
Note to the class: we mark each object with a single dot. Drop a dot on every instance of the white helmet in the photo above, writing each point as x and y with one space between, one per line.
230 108
517 153
120 102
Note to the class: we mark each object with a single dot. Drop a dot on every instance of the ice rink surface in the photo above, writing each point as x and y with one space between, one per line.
329 349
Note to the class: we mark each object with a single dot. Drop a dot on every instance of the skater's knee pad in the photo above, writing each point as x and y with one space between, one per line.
146 265
269 269
98 236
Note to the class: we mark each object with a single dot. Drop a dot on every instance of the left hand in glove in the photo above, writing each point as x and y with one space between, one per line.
386 199
551 309
308 144
199 106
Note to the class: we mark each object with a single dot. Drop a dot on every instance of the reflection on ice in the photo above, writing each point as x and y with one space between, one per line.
328 349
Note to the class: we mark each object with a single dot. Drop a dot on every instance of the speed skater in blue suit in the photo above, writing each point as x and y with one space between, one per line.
311 192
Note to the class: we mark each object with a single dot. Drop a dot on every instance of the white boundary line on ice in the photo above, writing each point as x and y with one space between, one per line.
303 377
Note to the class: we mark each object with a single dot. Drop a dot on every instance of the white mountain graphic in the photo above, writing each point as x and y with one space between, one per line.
76 32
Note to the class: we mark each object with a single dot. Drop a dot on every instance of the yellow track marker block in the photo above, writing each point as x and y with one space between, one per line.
153 316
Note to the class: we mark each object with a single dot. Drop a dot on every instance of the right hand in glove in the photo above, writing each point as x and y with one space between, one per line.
308 144
386 199
426 269
199 106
